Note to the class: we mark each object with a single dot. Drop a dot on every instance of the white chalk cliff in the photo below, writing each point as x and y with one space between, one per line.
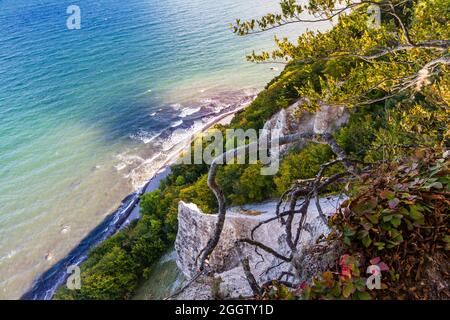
295 120
195 228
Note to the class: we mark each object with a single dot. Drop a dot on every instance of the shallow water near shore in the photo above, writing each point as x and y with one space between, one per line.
87 115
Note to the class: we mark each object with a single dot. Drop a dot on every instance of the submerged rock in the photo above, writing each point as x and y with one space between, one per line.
48 256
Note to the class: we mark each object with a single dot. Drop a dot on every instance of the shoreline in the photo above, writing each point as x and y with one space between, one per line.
45 285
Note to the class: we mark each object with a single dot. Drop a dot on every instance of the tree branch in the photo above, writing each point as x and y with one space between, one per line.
257 291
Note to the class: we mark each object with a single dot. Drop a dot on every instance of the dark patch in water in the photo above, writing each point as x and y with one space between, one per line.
46 285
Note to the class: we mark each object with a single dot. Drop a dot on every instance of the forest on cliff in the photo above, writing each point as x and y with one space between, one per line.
387 62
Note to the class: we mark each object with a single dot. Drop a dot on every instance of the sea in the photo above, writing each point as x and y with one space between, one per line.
89 115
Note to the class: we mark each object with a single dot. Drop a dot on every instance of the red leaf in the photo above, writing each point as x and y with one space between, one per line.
383 266
346 272
343 260
375 260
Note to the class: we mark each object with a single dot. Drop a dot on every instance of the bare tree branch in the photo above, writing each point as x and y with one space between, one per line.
214 240
257 291
266 248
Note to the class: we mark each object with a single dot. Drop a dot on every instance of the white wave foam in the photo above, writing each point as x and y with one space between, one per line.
9 255
188 111
176 106
144 136
221 107
120 166
127 160
207 100
177 124
140 174
180 135
65 229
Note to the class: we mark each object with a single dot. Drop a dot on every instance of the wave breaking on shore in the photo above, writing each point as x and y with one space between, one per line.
144 167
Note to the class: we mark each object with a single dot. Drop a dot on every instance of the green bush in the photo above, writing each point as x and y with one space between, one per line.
200 194
301 164
111 278
279 93
244 184
357 136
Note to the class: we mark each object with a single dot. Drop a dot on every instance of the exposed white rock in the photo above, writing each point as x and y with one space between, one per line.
195 228
291 120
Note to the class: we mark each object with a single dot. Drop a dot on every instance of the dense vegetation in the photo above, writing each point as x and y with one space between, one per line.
398 209
116 267
397 213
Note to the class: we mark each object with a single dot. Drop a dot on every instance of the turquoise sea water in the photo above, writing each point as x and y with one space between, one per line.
81 110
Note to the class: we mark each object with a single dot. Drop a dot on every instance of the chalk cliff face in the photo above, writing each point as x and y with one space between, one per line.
292 120
195 227
194 231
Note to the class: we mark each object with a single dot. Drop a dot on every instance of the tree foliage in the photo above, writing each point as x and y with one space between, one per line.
394 77
401 215
399 208
364 63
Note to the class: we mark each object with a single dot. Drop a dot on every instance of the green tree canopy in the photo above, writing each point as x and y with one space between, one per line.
364 62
